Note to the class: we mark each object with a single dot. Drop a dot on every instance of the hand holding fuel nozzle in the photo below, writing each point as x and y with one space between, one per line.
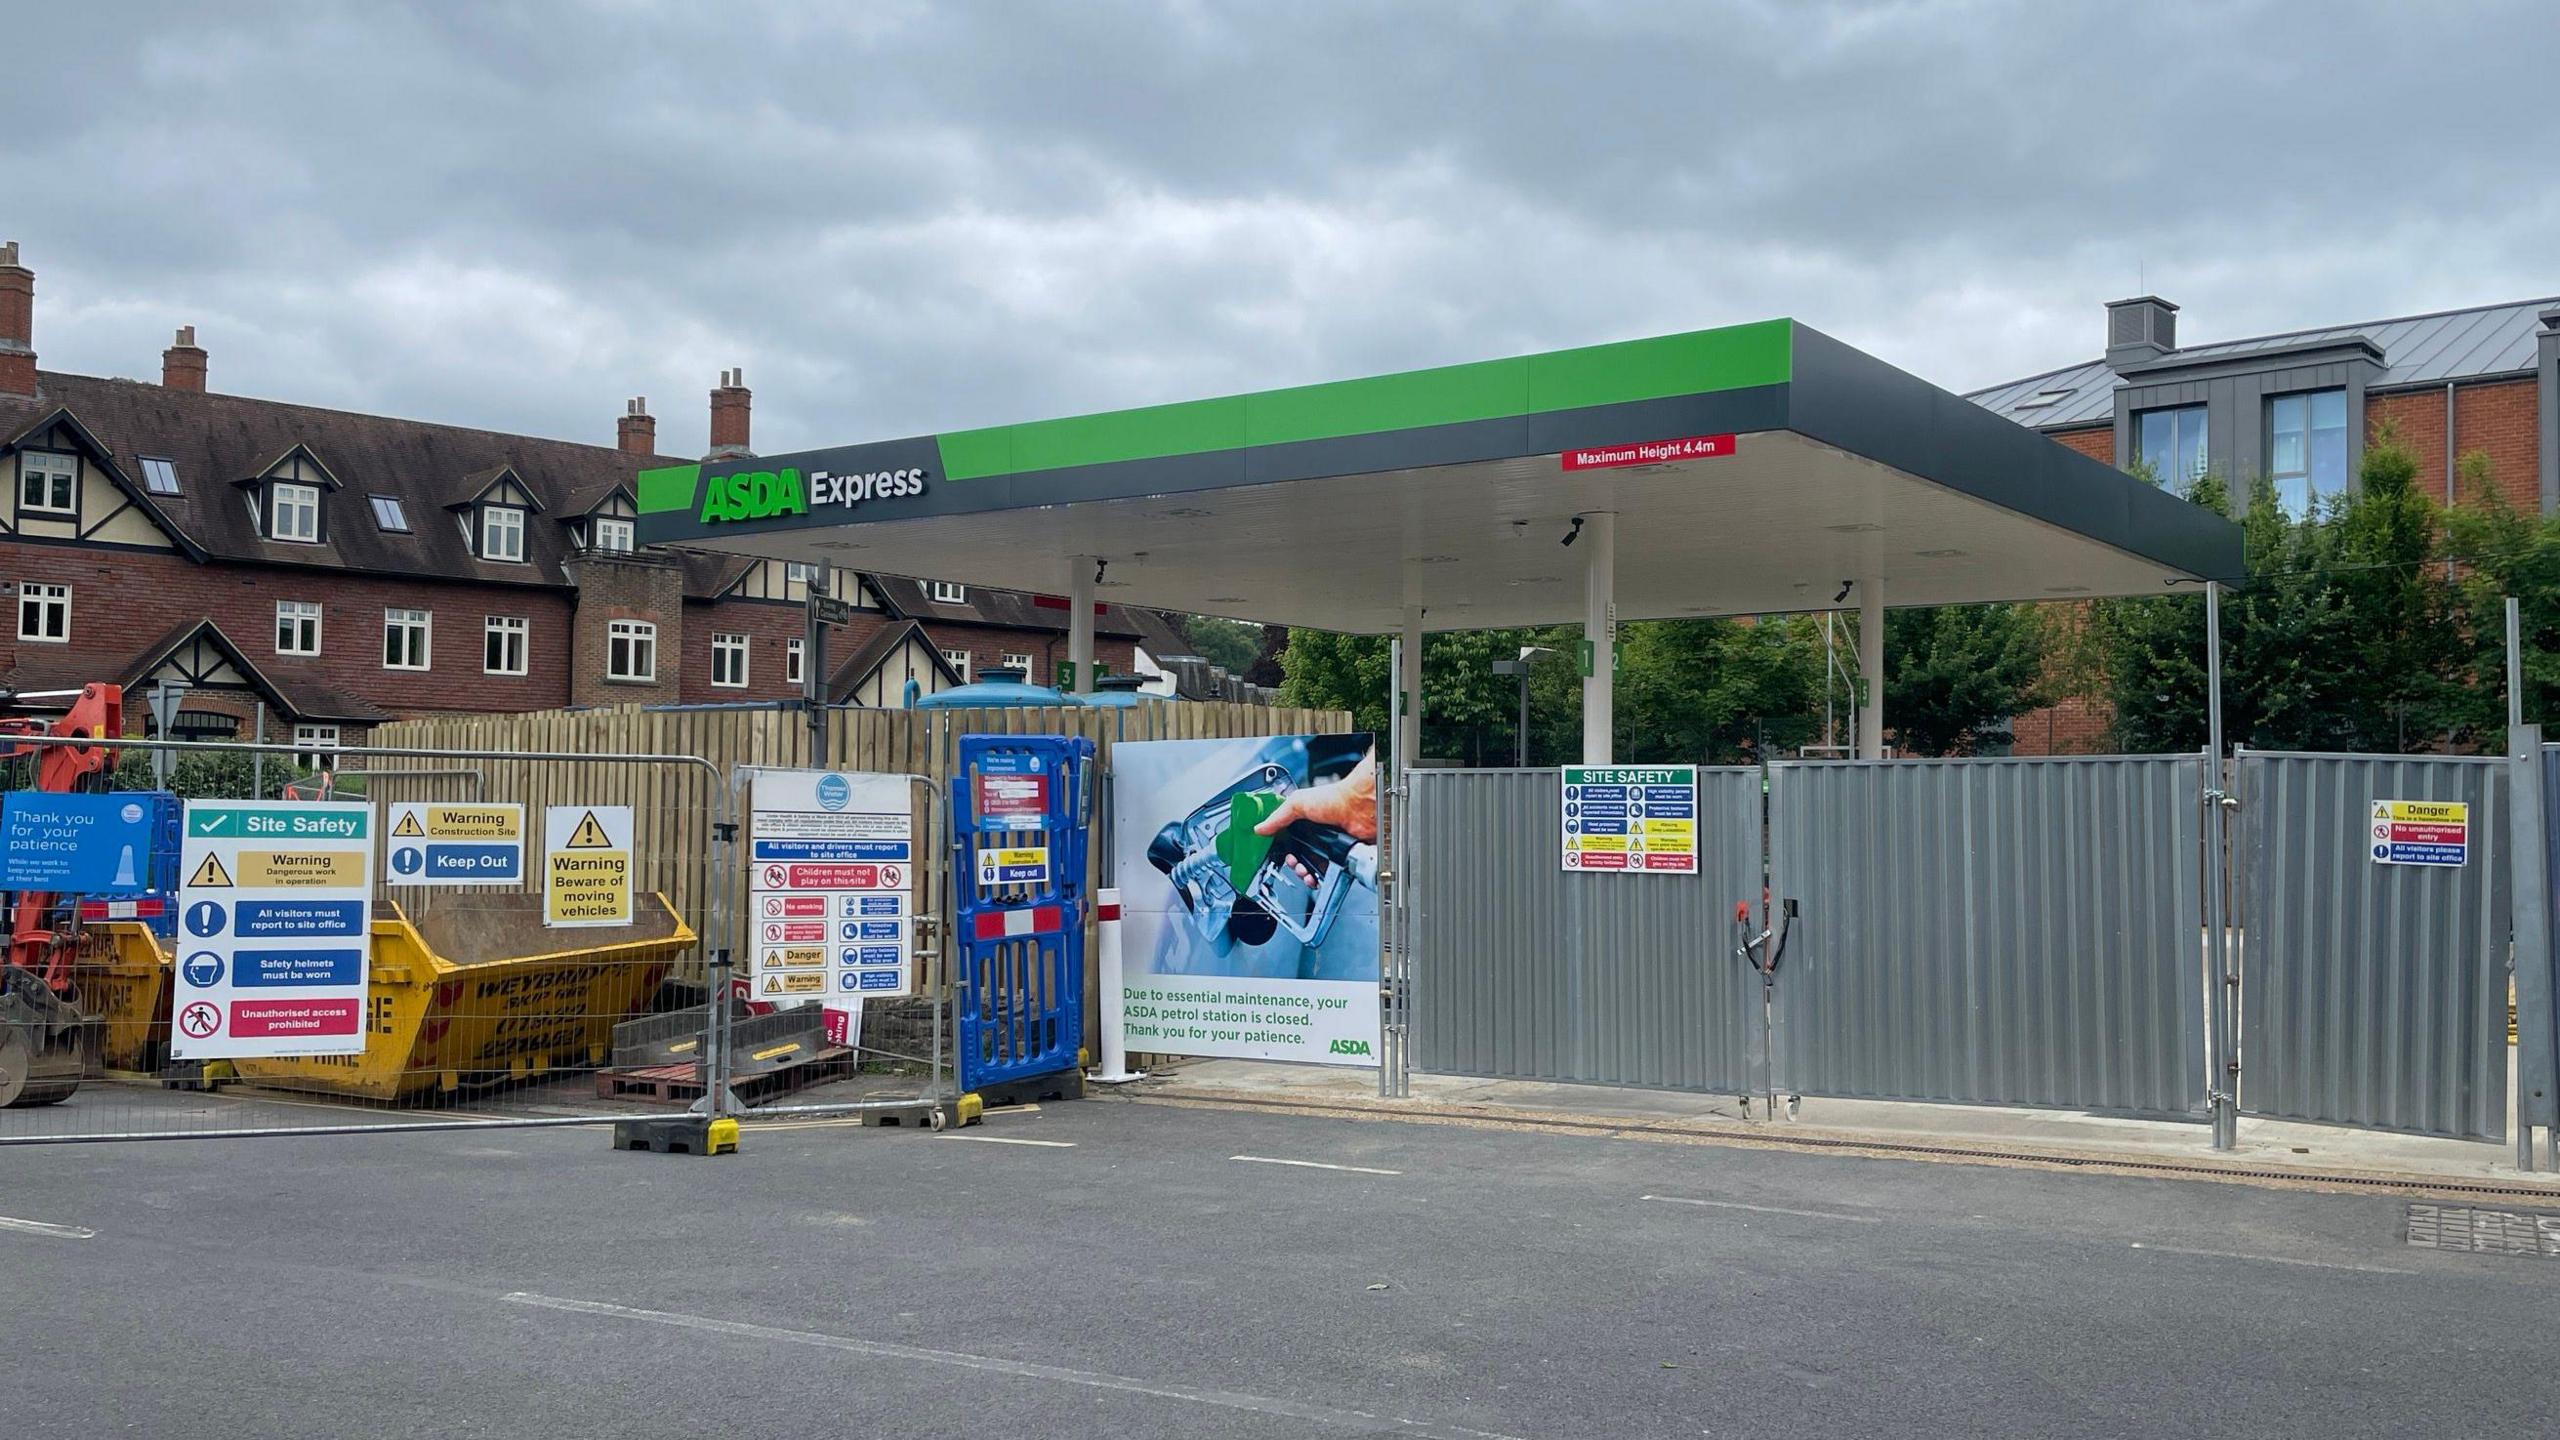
1338 820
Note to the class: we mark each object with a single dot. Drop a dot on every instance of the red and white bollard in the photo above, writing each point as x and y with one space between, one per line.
1115 1041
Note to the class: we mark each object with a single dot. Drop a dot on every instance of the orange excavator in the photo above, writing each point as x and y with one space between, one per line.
43 1036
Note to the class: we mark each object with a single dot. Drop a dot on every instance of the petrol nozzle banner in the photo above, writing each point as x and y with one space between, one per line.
1248 873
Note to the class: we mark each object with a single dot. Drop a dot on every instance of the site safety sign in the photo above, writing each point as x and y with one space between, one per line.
830 877
1632 819
2421 832
274 929
455 844
586 865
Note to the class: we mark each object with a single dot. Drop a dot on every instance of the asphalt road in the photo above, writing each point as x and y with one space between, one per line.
1133 1278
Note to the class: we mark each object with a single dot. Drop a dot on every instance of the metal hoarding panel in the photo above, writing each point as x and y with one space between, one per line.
2372 995
1997 932
1524 971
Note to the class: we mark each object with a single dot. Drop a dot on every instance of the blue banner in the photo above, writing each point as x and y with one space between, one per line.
75 844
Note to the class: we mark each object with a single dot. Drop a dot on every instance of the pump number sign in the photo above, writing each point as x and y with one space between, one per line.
1633 819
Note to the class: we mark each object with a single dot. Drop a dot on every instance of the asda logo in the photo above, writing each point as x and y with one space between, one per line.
1349 1047
765 494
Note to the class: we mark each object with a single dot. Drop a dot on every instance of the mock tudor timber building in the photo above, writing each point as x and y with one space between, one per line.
342 570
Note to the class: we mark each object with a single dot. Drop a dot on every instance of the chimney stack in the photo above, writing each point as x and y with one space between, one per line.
2140 329
182 364
729 416
17 324
637 432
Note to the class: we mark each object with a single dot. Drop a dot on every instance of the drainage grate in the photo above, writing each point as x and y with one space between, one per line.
2484 1232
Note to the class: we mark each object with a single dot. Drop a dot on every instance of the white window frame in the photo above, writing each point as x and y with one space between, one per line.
420 628
38 601
51 470
306 617
727 646
943 592
613 533
514 633
1021 660
491 532
626 642
305 506
959 662
315 744
795 662
797 572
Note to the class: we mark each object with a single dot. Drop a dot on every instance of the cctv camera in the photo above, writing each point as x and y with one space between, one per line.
1845 587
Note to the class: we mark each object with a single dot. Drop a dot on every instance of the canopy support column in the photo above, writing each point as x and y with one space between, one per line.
1408 680
1599 537
1080 586
1871 667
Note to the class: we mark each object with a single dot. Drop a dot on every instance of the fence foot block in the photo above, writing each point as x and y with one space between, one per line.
677 1135
1063 1085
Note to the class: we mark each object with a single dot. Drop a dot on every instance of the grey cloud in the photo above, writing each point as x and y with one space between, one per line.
909 217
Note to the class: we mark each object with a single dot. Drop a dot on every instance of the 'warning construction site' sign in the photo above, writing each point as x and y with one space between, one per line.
586 865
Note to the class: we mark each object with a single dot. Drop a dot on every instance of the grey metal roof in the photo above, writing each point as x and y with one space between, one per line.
2416 350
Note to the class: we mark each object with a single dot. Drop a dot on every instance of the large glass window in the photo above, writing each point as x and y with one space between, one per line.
613 533
2307 449
2170 443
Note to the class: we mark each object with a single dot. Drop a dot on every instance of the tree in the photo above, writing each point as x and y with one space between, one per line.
1232 643
2500 552
2345 634
1956 674
1717 691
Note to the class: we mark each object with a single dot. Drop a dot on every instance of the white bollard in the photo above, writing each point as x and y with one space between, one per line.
1115 1041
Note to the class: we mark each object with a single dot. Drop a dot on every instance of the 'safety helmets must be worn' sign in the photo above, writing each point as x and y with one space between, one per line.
586 865
274 929
1633 819
2421 832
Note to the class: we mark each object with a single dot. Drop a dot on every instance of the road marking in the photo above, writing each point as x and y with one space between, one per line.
2276 1260
1012 1140
1359 1420
39 1227
1762 1209
1313 1165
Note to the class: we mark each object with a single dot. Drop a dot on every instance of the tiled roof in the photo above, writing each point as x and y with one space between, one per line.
215 441
1013 609
2416 350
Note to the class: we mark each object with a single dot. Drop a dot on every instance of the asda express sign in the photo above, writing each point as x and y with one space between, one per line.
866 482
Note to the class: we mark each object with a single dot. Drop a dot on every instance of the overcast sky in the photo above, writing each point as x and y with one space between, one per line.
903 218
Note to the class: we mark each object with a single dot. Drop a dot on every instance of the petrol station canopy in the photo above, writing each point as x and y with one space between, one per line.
1753 469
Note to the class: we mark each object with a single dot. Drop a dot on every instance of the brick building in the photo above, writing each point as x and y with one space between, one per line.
346 569
2298 408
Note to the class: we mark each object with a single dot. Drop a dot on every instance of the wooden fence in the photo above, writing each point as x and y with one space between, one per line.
674 807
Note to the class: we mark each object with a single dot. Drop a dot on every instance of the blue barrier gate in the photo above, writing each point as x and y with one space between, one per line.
1021 808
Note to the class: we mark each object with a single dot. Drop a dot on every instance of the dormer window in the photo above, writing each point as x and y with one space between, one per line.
293 512
502 532
612 533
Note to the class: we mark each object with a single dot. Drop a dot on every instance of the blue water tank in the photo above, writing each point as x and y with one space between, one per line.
994 689
1118 692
